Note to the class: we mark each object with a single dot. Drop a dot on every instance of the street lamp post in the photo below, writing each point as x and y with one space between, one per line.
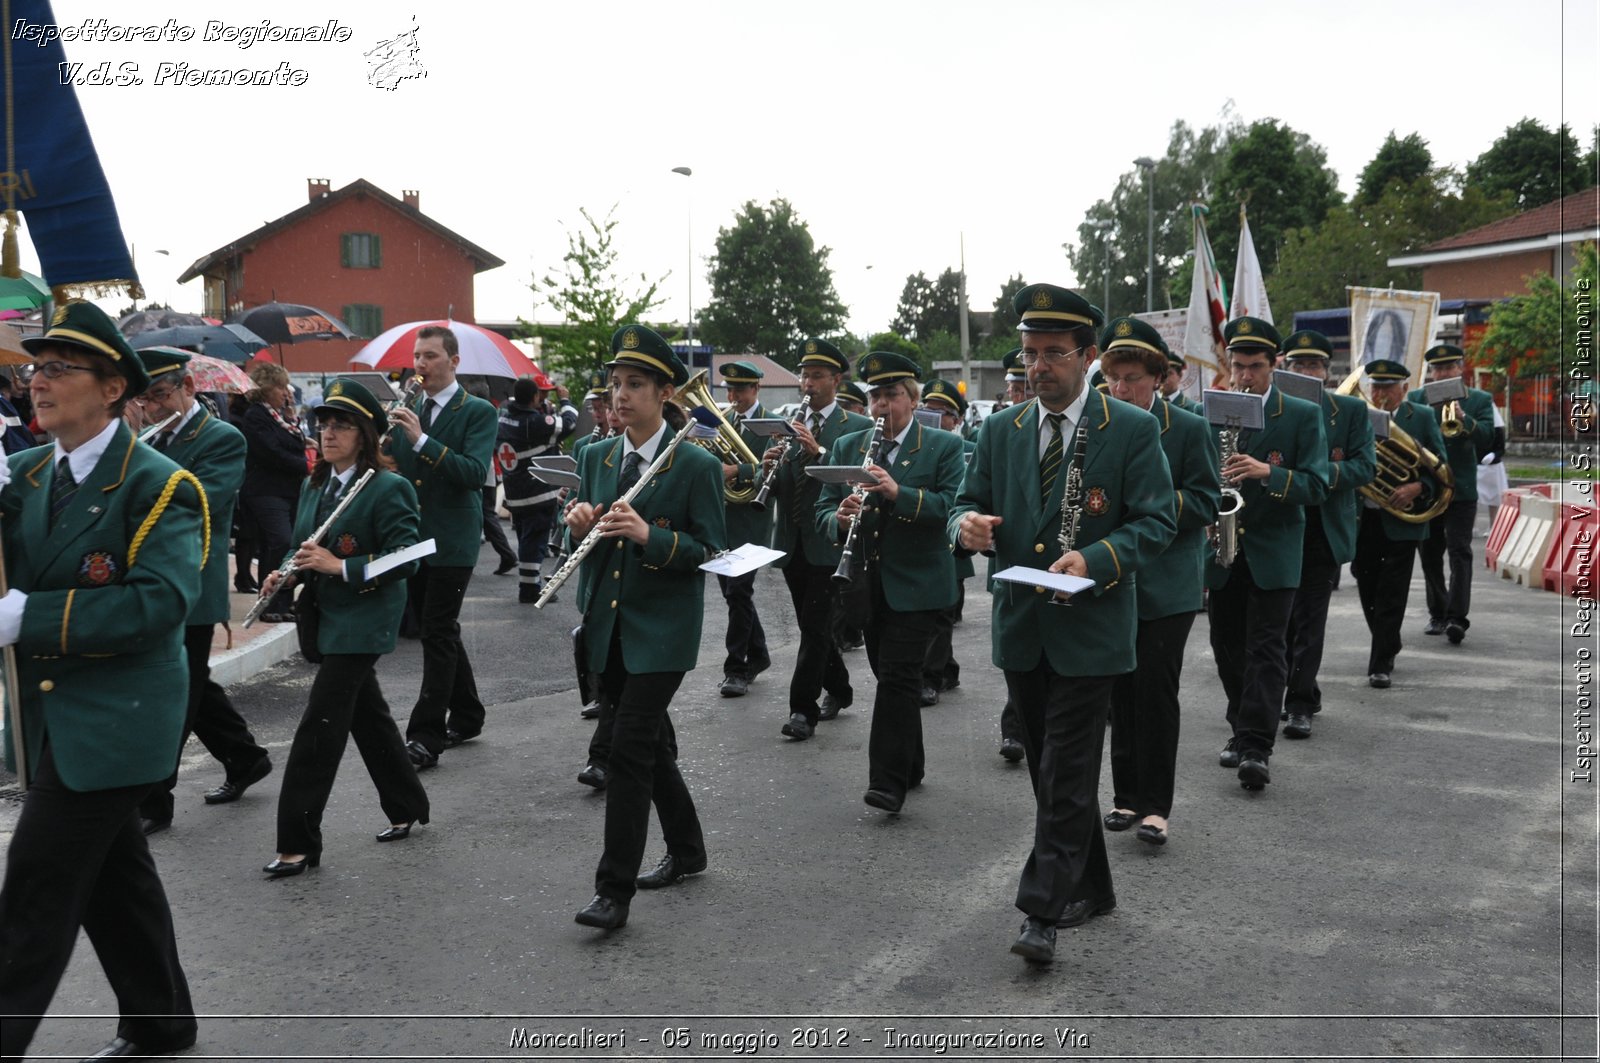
689 214
1149 166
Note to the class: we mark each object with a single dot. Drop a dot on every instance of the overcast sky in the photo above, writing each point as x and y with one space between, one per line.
894 128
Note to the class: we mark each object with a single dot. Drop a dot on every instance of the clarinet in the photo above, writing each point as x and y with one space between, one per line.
288 568
759 503
1072 497
846 572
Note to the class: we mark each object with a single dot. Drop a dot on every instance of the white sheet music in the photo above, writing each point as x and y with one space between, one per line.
379 565
1060 582
737 562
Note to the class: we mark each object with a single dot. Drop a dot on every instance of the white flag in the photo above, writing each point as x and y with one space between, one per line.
1249 289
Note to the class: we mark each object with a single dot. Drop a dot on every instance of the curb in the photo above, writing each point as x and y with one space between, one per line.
257 655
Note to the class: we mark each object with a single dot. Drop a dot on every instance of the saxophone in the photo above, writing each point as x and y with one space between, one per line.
1224 534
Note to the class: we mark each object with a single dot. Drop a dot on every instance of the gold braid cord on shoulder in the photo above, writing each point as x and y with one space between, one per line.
181 476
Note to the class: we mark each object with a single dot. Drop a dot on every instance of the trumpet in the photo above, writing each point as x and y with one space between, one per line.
408 391
288 568
846 572
759 502
1224 534
1450 425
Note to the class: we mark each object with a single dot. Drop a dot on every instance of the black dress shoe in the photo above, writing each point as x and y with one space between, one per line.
603 913
929 696
154 824
1455 631
852 642
394 833
246 586
757 669
590 711
1435 627
734 686
121 1047
798 728
884 799
233 789
1117 819
1037 942
1149 832
421 757
1079 912
830 707
1379 680
1299 726
508 565
594 775
287 868
1011 749
453 737
1229 758
1253 773
669 871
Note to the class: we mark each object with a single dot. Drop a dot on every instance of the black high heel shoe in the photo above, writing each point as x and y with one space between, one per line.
287 868
395 834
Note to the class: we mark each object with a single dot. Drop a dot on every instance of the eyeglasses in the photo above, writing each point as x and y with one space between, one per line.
1032 357
1131 379
337 426
57 370
154 395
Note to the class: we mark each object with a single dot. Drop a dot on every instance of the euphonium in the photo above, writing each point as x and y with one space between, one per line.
1224 534
727 444
1401 459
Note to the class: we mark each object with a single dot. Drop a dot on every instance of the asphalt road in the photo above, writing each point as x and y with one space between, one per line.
1418 880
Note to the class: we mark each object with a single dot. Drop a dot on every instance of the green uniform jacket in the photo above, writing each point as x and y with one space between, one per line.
1128 520
1175 581
745 524
1272 523
964 566
1477 436
359 615
579 444
449 474
214 451
794 528
100 658
1419 422
906 538
656 592
1184 403
1351 464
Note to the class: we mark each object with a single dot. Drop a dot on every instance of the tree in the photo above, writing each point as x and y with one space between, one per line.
894 343
1533 163
590 295
1003 325
928 307
1283 178
1528 333
1402 161
770 285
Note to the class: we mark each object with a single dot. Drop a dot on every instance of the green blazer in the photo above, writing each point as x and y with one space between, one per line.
1185 403
908 536
359 615
1419 422
794 527
579 444
656 592
1128 520
1272 523
1351 464
214 451
449 474
1463 452
745 524
1174 582
100 658
964 566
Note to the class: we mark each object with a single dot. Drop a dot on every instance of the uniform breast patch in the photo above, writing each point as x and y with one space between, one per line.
1096 502
98 569
662 522
1275 457
346 545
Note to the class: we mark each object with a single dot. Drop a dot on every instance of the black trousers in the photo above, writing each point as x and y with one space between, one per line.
818 666
448 688
897 645
80 859
213 719
746 642
1450 532
1063 723
532 525
1308 619
272 521
1248 627
851 603
1382 569
941 670
492 529
1144 718
643 765
345 703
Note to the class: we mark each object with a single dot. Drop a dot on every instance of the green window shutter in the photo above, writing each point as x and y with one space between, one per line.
376 260
344 250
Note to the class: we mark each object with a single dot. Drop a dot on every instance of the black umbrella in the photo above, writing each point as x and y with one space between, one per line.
292 323
149 320
231 343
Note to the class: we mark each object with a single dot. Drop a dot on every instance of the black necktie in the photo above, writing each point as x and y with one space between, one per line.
1050 463
428 412
330 498
62 489
630 472
164 440
887 457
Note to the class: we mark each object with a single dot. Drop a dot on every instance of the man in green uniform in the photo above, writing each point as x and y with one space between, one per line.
214 451
1278 471
850 603
852 398
746 642
1062 660
941 671
1330 536
1451 531
1172 383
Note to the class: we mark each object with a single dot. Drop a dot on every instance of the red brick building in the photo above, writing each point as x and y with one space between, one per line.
359 253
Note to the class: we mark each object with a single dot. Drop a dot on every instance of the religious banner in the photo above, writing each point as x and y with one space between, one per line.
1397 326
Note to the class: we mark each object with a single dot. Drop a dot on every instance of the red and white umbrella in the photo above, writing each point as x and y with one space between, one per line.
483 353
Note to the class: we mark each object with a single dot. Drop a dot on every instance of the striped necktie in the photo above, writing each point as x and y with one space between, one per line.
630 472
1050 463
330 499
62 489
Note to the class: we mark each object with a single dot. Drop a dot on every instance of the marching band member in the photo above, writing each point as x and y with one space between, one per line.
643 602
1018 391
1278 471
1144 702
849 601
357 621
852 398
1061 661
443 444
528 428
1172 384
904 558
810 559
941 671
215 452
746 642
105 540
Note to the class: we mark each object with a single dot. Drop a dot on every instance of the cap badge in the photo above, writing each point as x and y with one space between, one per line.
630 340
60 315
1041 300
1124 328
1245 328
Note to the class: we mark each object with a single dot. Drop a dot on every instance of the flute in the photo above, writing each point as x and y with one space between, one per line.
289 568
